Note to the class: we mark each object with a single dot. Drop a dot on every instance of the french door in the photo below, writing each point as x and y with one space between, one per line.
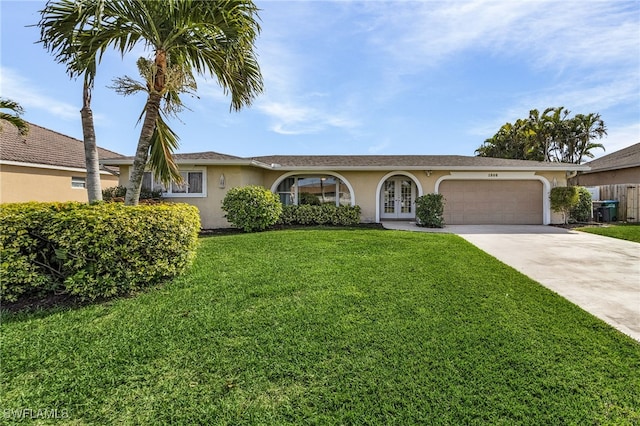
398 198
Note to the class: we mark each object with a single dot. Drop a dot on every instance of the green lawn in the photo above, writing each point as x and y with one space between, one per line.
629 232
326 327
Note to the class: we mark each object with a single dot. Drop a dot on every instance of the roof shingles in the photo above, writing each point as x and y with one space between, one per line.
45 147
624 158
391 161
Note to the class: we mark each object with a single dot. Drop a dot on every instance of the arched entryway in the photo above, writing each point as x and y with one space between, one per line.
397 195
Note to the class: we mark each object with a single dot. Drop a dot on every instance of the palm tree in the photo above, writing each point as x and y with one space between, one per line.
14 118
550 136
558 132
164 140
588 127
208 37
61 25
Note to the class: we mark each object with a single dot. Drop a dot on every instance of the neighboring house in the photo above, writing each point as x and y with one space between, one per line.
619 167
45 166
477 190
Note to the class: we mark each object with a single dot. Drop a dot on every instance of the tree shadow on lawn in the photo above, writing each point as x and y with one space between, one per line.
41 305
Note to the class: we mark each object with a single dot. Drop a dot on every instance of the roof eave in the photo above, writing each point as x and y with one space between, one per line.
608 169
53 167
274 166
201 161
432 168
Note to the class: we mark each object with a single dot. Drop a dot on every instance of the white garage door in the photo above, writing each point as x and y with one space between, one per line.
479 202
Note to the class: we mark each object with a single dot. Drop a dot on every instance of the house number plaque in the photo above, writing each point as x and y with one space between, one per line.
493 175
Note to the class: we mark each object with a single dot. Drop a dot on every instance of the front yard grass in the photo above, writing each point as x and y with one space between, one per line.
629 231
326 327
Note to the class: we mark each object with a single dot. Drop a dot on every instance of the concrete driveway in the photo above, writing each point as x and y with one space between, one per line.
599 274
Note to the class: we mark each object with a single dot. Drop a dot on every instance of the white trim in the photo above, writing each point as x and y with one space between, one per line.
49 167
498 175
274 186
387 176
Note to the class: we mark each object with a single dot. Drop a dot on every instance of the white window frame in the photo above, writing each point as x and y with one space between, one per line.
295 196
78 182
168 194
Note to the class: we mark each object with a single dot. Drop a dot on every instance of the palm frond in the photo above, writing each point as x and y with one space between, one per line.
164 143
13 119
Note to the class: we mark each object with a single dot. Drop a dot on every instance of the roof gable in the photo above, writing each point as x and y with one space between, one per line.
45 147
621 159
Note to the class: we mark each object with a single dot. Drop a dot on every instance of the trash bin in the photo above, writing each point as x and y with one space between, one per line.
610 210
604 214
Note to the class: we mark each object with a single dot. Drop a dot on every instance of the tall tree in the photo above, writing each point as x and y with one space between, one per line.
586 128
13 117
164 140
548 136
61 25
213 38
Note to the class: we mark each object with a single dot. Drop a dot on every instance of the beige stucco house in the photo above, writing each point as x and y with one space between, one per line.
45 166
477 190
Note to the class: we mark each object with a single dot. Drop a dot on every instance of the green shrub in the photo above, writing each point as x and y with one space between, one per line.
251 208
325 214
581 212
288 215
117 193
346 216
429 210
93 251
563 199
23 253
308 198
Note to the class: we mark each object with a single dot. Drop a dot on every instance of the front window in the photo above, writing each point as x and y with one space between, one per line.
314 190
193 184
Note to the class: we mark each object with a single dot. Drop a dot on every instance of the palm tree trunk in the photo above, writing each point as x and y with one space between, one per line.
142 152
94 188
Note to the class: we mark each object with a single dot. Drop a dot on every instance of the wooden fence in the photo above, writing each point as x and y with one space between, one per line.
628 197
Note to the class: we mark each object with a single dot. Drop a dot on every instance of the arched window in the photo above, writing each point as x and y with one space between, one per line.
314 189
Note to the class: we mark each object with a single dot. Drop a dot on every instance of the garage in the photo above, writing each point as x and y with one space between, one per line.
480 202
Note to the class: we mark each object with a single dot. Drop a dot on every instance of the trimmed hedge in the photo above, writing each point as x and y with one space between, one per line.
251 208
430 211
92 251
325 214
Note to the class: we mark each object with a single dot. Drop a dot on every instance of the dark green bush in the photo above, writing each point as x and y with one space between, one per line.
581 212
117 193
251 208
326 214
429 210
93 251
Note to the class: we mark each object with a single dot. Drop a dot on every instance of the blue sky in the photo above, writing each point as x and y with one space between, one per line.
375 77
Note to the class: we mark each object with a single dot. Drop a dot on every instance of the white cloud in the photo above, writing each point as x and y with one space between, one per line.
293 119
379 148
294 104
543 33
618 138
23 91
